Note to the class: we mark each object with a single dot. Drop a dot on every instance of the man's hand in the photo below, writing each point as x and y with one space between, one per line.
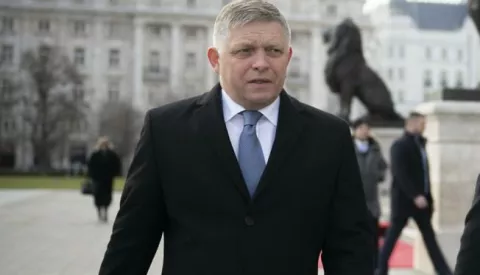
421 202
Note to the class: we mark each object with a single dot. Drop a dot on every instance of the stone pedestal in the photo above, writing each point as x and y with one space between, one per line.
453 133
385 137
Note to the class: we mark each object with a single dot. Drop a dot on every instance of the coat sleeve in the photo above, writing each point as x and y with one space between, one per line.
349 242
139 224
467 259
399 166
92 166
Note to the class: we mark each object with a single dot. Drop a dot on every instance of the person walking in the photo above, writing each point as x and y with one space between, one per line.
103 166
411 195
372 170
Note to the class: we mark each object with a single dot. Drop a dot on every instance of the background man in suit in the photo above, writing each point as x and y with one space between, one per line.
410 194
243 179
468 262
372 169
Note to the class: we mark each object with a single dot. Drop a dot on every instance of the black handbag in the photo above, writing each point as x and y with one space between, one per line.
87 187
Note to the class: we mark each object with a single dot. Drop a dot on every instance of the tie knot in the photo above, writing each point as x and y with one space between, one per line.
251 117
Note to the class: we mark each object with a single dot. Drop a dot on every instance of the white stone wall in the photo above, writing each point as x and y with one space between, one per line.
453 147
404 63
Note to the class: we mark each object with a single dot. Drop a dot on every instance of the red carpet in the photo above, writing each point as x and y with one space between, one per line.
402 256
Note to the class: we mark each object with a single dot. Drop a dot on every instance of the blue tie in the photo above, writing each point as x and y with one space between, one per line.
250 154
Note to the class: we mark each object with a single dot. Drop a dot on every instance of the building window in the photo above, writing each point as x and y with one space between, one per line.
8 125
6 90
427 79
390 74
7 25
331 10
6 55
428 53
79 126
191 3
79 28
443 79
191 32
401 96
157 29
401 74
113 30
114 58
113 91
44 26
459 55
78 93
459 81
154 62
79 57
444 54
44 52
191 60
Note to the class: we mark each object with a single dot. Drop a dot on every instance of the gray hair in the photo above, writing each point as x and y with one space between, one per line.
241 12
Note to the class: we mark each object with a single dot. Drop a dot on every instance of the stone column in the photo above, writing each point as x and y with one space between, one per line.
211 78
176 61
138 93
385 137
98 62
453 133
97 86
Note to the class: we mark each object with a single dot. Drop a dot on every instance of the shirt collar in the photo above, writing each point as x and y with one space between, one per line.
231 109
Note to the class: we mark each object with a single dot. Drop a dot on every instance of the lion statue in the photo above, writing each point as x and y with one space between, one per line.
348 75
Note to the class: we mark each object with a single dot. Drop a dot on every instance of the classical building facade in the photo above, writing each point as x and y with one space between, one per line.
149 51
424 46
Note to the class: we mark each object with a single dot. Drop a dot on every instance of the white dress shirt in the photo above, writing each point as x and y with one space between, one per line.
266 126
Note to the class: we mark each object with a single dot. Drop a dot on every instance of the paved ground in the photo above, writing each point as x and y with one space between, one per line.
56 233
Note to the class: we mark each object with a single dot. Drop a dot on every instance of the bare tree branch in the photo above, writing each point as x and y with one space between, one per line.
48 104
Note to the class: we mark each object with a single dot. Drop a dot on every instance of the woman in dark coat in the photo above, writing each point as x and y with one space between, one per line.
103 166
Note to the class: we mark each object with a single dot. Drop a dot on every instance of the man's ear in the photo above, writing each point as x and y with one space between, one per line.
213 58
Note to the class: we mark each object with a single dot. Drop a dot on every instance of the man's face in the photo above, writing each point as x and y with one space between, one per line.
362 132
418 125
252 63
421 123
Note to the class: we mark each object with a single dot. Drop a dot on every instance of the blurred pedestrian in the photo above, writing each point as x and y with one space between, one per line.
103 166
411 194
372 169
